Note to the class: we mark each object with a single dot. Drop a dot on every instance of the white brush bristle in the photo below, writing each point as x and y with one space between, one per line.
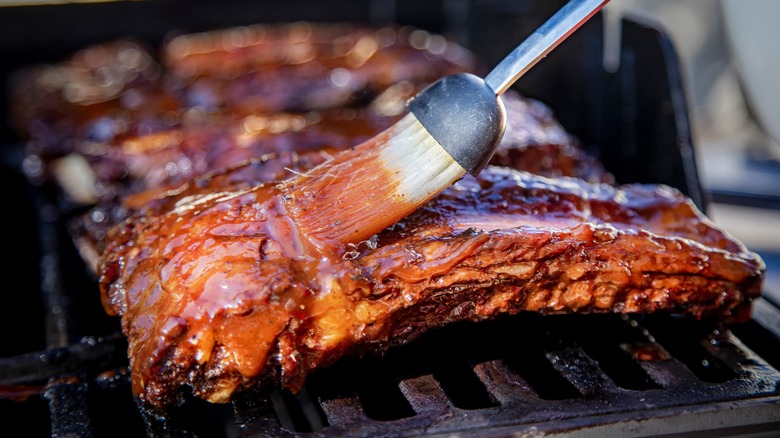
422 167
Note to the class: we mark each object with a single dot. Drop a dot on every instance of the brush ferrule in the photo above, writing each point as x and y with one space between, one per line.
465 116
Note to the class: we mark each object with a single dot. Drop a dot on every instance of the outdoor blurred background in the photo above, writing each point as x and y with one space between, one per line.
730 53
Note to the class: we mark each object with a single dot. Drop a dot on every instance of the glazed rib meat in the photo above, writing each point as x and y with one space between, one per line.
127 120
217 292
534 141
304 66
107 93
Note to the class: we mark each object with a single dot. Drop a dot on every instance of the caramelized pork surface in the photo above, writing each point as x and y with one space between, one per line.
129 120
102 93
108 93
217 291
275 147
305 66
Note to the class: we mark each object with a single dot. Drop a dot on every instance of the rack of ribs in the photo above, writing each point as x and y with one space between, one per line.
218 292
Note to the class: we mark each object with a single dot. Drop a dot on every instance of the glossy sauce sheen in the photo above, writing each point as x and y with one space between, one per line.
218 291
534 141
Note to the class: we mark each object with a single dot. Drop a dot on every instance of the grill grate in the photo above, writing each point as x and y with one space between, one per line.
515 405
723 375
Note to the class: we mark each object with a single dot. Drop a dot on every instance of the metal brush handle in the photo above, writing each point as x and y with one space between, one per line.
463 112
568 19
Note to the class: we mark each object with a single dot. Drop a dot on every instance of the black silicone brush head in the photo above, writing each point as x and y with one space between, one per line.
465 116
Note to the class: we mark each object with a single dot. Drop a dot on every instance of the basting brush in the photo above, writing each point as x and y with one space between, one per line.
452 127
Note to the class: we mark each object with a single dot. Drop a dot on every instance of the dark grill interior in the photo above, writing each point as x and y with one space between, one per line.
63 362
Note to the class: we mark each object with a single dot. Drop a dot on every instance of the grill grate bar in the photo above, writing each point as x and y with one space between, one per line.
721 345
92 354
257 417
57 299
682 338
425 395
248 409
503 384
69 410
344 411
662 368
581 371
749 366
768 315
296 412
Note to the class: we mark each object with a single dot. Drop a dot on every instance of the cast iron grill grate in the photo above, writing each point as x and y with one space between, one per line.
527 373
581 392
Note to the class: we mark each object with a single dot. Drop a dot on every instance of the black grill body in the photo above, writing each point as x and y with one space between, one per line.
63 362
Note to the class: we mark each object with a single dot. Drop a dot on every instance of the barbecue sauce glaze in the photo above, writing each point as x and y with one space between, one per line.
218 291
